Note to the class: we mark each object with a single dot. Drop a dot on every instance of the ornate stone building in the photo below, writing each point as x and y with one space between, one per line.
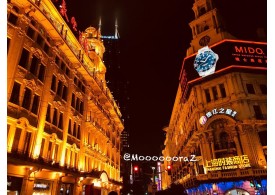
220 118
63 125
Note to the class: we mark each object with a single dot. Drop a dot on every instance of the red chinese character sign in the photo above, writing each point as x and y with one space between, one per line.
74 24
63 10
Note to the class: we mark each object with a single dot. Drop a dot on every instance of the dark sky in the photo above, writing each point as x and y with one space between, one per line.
154 37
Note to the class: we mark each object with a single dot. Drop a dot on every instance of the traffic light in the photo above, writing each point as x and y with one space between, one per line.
169 168
136 172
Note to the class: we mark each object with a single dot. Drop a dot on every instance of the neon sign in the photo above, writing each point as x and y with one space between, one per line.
215 111
233 162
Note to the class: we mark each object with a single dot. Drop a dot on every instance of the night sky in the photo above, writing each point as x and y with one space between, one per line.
154 38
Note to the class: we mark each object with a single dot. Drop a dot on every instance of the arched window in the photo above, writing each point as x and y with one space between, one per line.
224 140
202 11
206 27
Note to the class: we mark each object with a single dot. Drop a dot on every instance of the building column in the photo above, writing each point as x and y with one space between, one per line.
66 116
28 182
219 92
237 143
211 94
238 80
212 146
199 97
11 136
45 96
230 85
17 36
247 143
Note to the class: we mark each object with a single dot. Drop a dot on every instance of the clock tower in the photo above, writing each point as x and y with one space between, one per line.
207 27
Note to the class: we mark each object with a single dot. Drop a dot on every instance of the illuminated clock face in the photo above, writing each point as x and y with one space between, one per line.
204 61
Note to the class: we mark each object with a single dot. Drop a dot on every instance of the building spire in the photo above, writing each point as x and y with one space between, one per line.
99 28
99 25
116 30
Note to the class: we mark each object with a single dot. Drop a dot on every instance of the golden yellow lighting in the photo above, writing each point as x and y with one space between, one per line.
97 183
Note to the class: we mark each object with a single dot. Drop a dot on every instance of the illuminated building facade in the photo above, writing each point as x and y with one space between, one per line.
63 125
221 117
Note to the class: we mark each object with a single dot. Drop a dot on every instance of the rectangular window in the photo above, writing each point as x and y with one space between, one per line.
83 89
70 127
79 85
215 93
40 40
55 117
27 143
77 104
34 65
73 101
15 93
60 123
8 44
250 88
53 85
72 159
56 152
35 104
16 139
64 93
67 71
41 73
76 160
46 48
57 60
27 99
63 66
42 147
263 89
59 88
13 18
258 112
30 32
74 130
78 132
49 151
207 95
75 80
24 58
222 89
48 115
81 107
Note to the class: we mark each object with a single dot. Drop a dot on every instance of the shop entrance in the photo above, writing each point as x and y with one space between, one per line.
14 185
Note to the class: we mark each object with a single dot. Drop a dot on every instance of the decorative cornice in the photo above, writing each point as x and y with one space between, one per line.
31 84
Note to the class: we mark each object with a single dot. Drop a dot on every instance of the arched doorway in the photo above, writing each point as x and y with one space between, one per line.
237 191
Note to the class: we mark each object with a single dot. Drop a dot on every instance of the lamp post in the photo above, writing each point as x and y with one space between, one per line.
154 181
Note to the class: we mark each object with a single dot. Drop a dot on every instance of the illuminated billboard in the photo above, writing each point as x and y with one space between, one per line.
246 56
